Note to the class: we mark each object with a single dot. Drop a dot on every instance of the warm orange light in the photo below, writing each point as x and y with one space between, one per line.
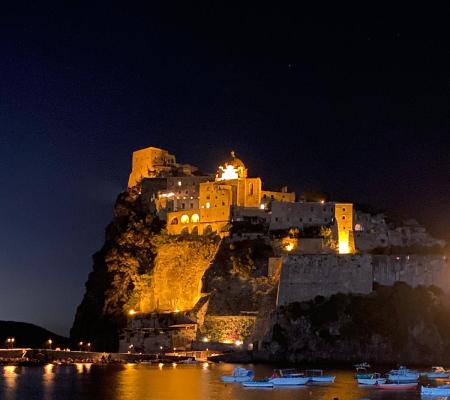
344 247
229 172
205 339
131 312
289 246
238 342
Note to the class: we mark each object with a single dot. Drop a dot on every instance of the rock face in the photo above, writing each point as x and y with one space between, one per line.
394 324
142 268
175 282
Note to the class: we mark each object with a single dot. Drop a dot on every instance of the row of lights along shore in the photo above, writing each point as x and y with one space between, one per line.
49 344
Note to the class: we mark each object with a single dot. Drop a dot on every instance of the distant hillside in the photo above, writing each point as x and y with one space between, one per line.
29 335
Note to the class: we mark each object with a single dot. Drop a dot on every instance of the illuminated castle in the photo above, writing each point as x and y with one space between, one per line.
202 204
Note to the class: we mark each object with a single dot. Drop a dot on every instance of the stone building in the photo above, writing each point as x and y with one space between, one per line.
301 215
220 200
153 162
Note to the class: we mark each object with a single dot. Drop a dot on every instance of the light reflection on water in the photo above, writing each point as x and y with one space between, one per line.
168 382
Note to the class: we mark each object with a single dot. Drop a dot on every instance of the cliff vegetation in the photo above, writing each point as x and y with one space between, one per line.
393 324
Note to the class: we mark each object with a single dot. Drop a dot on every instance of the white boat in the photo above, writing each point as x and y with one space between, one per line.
403 375
437 373
371 379
238 375
263 383
443 391
288 377
317 376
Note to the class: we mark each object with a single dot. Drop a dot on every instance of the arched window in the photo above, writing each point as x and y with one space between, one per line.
174 221
250 189
185 219
208 229
194 230
195 218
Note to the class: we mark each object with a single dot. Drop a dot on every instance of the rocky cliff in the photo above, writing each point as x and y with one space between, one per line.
395 324
142 268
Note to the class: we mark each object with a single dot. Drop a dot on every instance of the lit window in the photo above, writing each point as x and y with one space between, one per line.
208 204
358 227
195 218
179 183
184 219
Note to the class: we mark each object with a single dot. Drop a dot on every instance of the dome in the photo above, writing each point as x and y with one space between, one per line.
234 168
235 162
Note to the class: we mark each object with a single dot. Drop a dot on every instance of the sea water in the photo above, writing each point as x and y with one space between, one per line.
168 382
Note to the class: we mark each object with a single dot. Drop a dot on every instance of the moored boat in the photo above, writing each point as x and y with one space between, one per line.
261 383
317 376
371 379
443 391
362 371
403 375
437 373
397 386
288 377
238 375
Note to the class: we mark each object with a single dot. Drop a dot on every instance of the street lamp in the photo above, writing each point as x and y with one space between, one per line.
50 341
81 345
89 346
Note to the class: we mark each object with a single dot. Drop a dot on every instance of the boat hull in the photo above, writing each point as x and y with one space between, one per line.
437 375
257 384
435 391
412 378
397 386
293 381
371 381
232 379
322 379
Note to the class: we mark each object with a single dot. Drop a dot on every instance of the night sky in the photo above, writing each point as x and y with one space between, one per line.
351 102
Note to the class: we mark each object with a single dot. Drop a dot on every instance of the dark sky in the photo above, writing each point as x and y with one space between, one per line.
352 102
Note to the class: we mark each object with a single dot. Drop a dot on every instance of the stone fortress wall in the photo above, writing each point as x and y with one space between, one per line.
307 276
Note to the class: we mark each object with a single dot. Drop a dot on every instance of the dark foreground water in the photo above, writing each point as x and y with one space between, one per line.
187 382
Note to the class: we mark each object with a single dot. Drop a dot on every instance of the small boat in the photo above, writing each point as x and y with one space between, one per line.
397 386
288 377
362 371
437 373
371 379
317 376
403 375
239 375
443 391
262 383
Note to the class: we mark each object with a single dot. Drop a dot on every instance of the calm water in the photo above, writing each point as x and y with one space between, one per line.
187 382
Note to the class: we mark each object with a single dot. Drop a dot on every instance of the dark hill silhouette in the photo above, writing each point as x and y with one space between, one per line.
29 335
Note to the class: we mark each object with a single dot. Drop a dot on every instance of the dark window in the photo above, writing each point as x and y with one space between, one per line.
276 219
